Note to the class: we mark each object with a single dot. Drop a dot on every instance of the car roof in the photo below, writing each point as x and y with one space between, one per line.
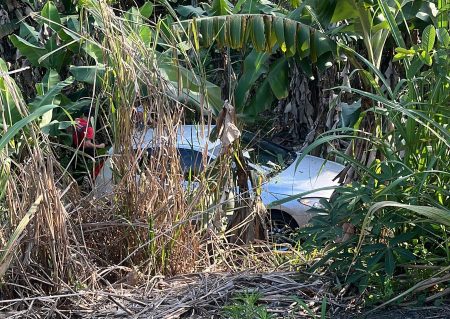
188 136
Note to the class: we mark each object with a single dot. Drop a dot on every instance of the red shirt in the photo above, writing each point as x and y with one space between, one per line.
82 131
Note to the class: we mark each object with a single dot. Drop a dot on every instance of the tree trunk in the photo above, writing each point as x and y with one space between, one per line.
305 113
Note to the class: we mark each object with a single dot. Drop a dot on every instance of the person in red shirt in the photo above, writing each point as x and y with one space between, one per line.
83 134
83 140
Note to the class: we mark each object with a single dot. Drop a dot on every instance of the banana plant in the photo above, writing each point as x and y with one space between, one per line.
264 36
265 33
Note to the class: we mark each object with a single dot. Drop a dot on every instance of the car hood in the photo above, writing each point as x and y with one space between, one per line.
311 173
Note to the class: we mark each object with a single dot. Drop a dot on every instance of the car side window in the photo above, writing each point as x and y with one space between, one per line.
191 160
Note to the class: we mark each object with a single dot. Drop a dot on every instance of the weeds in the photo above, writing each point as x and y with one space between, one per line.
245 306
398 209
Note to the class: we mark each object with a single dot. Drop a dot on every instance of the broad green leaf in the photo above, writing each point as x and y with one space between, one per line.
303 41
426 58
133 17
261 101
7 28
51 16
271 37
345 9
305 65
221 7
40 88
254 67
89 74
389 262
404 51
443 37
46 118
32 52
376 258
371 248
414 68
14 130
263 31
278 25
72 107
56 57
29 33
290 37
238 6
73 24
258 35
50 79
190 11
207 30
325 61
405 253
278 78
56 128
384 25
235 31
191 86
402 238
350 113
93 50
322 43
48 98
146 10
145 33
220 25
258 6
399 56
428 38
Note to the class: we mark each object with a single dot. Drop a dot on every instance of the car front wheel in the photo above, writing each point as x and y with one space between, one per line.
281 227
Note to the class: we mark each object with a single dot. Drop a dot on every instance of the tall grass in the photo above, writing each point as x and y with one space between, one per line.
35 226
55 235
45 228
149 216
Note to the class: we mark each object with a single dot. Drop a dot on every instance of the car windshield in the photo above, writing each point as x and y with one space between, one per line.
265 153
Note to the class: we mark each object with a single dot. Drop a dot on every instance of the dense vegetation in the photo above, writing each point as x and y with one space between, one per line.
364 83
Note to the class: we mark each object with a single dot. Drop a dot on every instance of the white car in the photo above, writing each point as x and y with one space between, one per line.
282 178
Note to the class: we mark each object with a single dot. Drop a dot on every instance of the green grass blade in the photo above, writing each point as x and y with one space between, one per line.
6 254
437 215
13 130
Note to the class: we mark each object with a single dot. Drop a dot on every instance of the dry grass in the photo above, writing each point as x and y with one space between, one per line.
197 295
74 242
48 254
